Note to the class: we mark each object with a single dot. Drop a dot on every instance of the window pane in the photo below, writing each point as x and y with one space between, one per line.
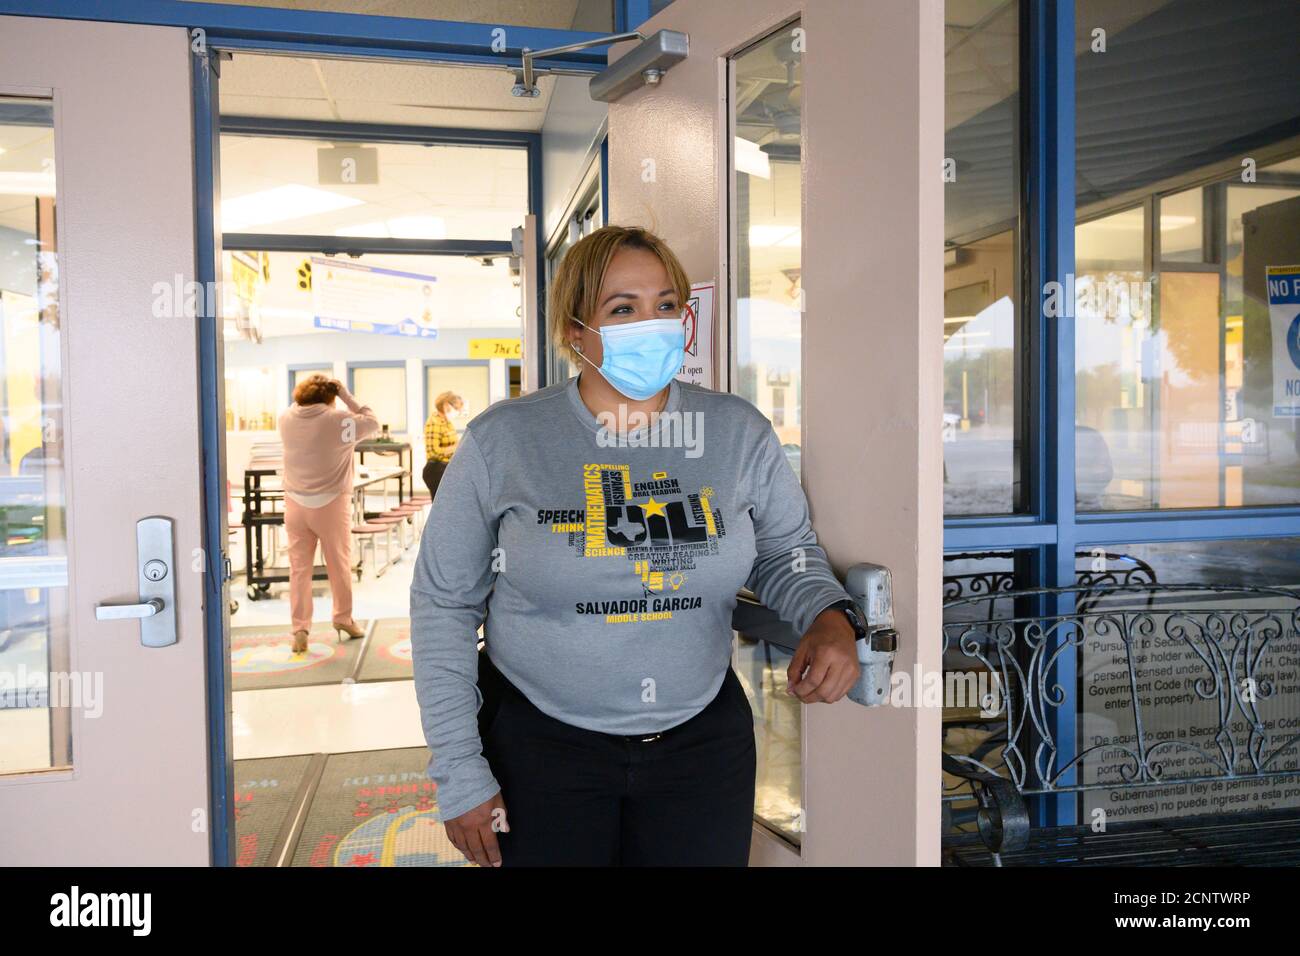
979 363
767 93
37 687
470 382
383 388
981 426
778 735
283 185
1182 224
1183 366
1169 86
1114 451
296 375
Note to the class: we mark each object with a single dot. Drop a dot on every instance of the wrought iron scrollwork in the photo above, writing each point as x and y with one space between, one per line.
1212 634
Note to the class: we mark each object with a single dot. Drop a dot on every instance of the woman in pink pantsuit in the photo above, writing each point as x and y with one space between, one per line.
318 441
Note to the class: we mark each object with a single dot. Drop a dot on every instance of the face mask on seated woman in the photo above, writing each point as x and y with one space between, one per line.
640 358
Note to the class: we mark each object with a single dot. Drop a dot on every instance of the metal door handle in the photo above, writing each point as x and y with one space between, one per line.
156 571
114 612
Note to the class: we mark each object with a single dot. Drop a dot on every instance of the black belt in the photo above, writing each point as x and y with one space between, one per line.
648 738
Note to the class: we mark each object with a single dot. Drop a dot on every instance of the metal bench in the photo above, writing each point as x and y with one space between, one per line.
1165 701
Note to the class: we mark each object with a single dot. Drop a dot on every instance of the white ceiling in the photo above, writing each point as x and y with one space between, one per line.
475 192
371 91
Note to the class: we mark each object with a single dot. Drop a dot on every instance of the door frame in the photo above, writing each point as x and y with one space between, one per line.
209 126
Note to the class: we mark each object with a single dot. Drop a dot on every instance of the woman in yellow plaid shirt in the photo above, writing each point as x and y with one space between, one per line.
440 438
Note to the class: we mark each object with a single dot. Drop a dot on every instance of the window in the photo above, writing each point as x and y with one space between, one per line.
766 135
383 388
469 380
299 372
982 296
37 683
1182 368
765 125
583 217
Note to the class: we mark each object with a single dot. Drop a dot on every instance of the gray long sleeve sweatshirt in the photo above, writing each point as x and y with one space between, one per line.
603 567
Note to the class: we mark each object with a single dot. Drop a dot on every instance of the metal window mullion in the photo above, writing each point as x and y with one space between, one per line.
1051 188
375 133
361 246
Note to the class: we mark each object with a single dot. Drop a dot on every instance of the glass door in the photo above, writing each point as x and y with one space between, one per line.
103 737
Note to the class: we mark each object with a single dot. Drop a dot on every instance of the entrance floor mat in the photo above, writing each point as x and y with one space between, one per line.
267 793
262 657
388 651
375 808
367 808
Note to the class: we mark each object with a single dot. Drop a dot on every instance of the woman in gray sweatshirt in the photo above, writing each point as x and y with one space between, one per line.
598 530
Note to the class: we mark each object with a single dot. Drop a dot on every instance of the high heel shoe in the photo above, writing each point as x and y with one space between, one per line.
350 629
299 642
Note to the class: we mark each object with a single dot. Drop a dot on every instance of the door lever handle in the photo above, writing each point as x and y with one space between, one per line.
115 612
156 570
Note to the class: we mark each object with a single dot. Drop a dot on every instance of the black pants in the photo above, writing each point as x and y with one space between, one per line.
576 797
433 470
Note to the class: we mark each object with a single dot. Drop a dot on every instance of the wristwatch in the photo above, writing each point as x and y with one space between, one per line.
851 612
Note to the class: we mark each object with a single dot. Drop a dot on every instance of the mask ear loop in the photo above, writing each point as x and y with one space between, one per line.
577 346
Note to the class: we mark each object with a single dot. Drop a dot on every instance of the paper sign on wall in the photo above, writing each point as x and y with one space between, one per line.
495 348
1284 318
352 297
698 319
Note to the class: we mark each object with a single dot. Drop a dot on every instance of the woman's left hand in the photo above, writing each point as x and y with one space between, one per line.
825 664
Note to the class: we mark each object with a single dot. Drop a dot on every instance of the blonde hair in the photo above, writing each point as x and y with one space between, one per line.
443 400
575 288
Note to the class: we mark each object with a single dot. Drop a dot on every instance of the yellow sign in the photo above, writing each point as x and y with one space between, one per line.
496 348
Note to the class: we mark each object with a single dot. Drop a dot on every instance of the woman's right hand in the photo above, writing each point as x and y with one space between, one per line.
474 832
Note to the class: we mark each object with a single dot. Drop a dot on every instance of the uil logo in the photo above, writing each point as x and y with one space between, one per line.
654 523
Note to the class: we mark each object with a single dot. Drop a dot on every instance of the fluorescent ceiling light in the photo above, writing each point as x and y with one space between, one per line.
1177 222
26 184
401 227
279 205
750 159
774 236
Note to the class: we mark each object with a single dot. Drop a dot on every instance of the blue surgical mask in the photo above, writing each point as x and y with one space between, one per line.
640 358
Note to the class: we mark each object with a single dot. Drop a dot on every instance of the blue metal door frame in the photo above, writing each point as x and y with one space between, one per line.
306 32
229 26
